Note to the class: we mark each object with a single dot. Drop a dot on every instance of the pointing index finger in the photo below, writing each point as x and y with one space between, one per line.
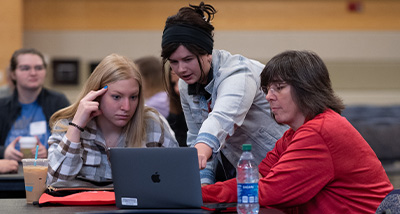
94 94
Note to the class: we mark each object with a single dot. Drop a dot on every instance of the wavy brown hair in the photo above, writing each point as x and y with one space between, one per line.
308 75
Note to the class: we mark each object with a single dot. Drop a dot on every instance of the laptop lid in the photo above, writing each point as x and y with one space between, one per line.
156 177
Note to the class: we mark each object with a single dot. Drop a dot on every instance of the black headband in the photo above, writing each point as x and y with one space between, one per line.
187 34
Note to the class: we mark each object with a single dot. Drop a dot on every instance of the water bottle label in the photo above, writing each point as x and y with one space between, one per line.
247 192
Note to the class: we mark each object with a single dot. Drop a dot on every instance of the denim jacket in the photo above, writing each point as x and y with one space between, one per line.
236 113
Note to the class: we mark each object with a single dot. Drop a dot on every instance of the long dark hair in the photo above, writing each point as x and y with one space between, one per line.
308 75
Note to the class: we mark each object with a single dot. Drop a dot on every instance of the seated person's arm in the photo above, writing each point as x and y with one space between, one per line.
7 166
220 192
299 173
65 158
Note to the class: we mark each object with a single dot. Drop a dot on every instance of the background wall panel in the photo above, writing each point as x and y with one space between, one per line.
231 15
359 62
361 47
10 32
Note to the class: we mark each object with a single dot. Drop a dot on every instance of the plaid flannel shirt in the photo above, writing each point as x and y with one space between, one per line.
88 159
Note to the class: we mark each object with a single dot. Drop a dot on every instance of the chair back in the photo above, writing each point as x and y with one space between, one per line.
390 204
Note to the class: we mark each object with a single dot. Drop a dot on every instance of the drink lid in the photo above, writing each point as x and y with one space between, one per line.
27 142
246 147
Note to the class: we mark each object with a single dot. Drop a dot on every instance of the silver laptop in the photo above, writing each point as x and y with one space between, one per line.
156 178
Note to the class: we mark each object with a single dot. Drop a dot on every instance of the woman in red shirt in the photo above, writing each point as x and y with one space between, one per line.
321 164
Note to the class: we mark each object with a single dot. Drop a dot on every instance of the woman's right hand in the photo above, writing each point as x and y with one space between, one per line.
88 108
204 152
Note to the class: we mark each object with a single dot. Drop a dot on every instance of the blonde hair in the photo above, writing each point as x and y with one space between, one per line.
112 68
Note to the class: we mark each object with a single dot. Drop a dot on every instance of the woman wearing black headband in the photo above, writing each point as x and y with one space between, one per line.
220 94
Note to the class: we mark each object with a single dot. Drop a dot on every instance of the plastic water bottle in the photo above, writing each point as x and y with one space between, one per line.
247 182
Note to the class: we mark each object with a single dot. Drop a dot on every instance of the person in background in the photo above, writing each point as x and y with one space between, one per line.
109 112
220 94
321 164
176 117
27 111
153 91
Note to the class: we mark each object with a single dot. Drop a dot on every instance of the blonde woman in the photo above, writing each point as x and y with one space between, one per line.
109 112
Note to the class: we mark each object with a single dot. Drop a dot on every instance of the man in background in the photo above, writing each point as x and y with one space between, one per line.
27 111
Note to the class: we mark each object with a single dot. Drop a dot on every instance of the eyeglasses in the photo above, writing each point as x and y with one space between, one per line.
28 68
274 88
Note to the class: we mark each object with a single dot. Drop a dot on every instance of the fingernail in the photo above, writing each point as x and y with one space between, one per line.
105 87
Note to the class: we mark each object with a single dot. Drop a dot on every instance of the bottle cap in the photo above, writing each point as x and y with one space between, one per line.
246 147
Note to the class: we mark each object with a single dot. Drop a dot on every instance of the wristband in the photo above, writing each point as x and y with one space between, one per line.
76 126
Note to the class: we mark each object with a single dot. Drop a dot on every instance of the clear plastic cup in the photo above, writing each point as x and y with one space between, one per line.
35 178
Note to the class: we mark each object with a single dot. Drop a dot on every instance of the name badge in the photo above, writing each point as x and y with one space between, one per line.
37 128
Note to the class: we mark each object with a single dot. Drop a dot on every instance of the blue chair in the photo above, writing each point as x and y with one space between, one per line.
390 204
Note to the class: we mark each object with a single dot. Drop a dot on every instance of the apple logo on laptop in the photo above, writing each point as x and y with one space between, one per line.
155 178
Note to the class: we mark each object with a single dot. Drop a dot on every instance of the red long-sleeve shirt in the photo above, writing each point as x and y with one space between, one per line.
323 167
